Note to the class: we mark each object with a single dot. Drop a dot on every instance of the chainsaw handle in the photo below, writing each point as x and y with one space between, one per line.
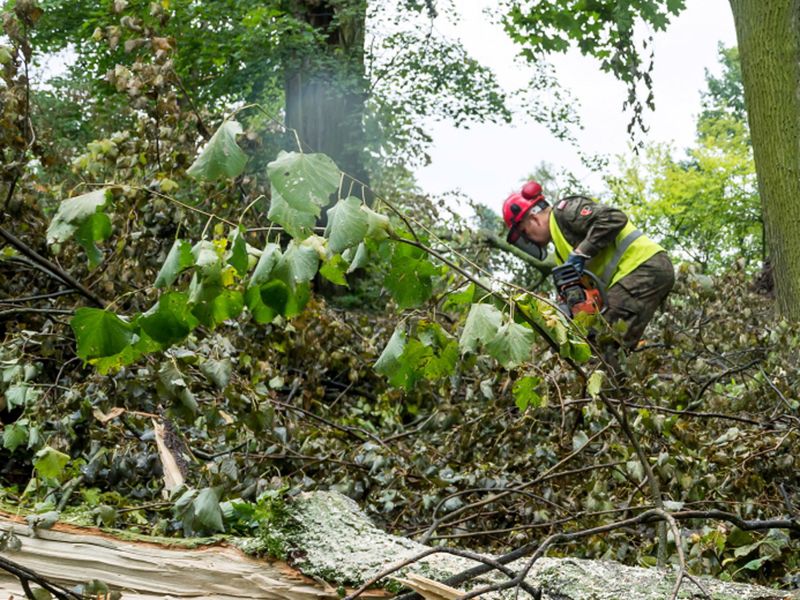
600 287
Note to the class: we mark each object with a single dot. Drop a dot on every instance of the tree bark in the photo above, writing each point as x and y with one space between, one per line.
327 87
768 33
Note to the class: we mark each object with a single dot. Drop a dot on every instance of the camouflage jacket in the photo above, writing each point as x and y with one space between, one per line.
587 225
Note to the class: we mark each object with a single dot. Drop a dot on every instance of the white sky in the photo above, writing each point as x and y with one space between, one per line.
489 161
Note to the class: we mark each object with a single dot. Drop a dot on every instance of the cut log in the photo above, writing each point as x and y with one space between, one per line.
334 546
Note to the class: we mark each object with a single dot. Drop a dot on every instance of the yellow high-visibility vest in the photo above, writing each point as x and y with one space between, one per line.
630 249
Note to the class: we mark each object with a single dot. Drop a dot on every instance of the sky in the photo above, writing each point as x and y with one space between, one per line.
488 161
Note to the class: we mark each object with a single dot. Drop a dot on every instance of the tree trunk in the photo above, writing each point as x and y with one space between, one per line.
326 88
333 544
768 32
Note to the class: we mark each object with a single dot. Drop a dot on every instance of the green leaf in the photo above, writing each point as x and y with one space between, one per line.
297 223
171 320
481 326
304 181
389 359
334 270
214 304
20 394
82 217
49 462
360 259
266 263
410 279
595 382
14 435
238 253
301 185
347 225
458 300
180 257
276 298
206 256
298 264
217 371
221 157
207 513
100 333
378 226
512 345
525 392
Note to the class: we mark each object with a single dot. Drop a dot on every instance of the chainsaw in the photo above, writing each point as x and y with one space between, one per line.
579 292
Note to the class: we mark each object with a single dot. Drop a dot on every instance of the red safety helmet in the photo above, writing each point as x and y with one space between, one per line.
518 204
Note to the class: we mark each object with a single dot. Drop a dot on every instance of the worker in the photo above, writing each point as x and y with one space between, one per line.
589 235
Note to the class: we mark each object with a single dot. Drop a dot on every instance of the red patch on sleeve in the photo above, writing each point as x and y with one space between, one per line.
586 211
561 204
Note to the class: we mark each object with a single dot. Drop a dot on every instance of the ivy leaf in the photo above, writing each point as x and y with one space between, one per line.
100 333
20 394
171 320
221 157
347 225
481 326
207 512
525 392
49 462
301 185
512 345
595 383
82 217
217 371
180 257
14 435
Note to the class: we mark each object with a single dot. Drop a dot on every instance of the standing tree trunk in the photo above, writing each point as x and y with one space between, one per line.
326 88
768 33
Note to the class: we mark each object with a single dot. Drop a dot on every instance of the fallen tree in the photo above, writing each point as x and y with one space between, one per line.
332 545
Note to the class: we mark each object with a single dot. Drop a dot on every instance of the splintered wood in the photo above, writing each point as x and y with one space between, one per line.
144 571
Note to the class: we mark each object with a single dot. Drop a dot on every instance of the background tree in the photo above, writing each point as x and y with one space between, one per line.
703 208
768 36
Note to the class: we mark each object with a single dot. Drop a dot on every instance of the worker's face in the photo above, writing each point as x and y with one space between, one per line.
536 227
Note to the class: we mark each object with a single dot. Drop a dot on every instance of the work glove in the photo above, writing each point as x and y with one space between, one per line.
577 260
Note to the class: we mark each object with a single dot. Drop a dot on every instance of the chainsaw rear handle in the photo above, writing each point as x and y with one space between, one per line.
579 292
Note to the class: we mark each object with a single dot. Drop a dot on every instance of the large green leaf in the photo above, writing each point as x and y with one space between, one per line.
512 345
334 270
213 304
49 462
305 181
81 217
297 223
410 279
378 225
276 298
180 257
298 264
100 333
301 186
481 326
221 157
390 362
171 320
347 224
